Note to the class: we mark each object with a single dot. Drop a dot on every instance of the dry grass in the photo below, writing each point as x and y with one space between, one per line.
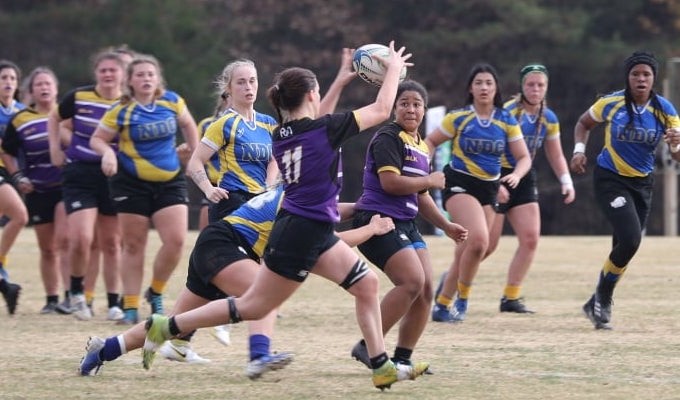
554 354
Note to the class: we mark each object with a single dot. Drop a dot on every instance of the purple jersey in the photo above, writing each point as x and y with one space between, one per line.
26 140
393 150
308 155
86 107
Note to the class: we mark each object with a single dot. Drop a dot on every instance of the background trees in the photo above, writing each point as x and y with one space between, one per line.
583 43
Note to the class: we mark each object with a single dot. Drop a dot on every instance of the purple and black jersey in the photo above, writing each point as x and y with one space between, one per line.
308 155
26 140
85 107
393 150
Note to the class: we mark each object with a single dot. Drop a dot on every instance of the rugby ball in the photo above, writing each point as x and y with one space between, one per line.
371 69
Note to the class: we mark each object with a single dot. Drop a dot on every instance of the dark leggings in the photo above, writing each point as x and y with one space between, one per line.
626 203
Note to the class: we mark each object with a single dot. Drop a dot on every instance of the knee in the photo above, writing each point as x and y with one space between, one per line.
478 246
529 240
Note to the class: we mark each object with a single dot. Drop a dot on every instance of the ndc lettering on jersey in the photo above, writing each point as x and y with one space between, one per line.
635 134
156 130
256 151
483 146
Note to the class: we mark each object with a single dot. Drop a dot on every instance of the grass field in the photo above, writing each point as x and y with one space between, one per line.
554 354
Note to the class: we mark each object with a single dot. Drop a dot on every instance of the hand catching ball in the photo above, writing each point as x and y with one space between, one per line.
370 68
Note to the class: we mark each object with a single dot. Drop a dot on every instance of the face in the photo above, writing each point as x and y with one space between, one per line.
243 86
409 111
144 79
483 88
109 74
44 89
641 80
535 87
8 83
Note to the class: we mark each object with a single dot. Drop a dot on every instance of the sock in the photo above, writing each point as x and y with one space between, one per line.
188 336
512 292
402 354
157 287
112 349
444 301
173 328
67 295
77 285
112 299
609 277
89 297
53 298
259 346
130 301
463 290
379 360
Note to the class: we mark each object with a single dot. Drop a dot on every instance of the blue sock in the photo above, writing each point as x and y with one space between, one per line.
259 346
111 349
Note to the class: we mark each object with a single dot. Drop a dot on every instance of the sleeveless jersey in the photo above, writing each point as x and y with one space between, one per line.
392 149
147 136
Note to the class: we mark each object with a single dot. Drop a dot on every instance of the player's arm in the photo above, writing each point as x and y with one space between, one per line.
377 226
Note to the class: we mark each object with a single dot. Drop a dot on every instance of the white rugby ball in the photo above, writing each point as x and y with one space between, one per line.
371 69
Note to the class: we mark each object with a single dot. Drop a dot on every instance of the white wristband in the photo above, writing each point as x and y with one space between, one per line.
675 148
565 179
579 147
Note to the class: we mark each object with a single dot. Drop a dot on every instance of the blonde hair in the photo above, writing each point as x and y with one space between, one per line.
128 92
27 84
224 79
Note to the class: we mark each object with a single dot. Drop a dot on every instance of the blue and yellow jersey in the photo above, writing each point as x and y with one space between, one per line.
147 136
6 114
254 219
478 145
534 132
212 167
629 146
85 107
245 149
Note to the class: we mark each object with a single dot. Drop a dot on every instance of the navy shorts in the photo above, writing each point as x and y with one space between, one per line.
217 247
457 183
132 195
526 191
85 186
41 206
379 249
296 243
217 211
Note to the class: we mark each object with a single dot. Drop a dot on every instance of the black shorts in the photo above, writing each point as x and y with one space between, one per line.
457 183
217 247
134 196
296 243
611 188
379 249
85 186
4 176
41 206
217 211
526 191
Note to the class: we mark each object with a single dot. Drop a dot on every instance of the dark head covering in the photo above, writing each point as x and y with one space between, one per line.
641 57
531 68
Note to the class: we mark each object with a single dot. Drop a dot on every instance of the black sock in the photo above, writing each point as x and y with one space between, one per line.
172 327
188 336
379 360
77 284
113 299
53 298
402 354
67 295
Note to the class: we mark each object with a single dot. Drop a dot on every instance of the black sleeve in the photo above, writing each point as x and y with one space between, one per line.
11 142
387 150
67 105
341 127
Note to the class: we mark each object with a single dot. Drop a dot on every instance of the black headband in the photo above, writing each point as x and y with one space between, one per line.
641 57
